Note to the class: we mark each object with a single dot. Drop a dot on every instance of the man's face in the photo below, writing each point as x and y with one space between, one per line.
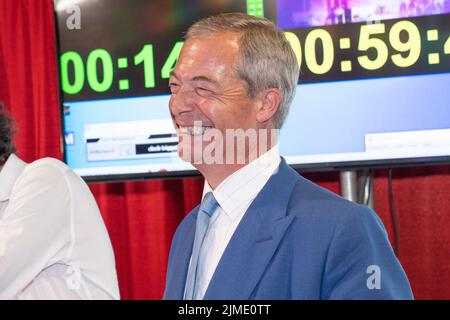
205 89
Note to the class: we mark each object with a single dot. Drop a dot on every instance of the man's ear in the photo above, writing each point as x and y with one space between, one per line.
269 104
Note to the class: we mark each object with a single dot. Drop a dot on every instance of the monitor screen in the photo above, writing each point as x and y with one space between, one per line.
373 88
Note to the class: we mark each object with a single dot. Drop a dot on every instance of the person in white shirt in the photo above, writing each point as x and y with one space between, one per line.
53 242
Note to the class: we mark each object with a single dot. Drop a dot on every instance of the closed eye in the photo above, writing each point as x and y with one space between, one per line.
203 91
173 86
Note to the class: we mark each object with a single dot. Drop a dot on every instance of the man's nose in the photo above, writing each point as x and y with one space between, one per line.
182 101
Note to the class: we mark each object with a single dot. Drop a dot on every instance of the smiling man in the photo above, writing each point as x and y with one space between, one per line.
262 231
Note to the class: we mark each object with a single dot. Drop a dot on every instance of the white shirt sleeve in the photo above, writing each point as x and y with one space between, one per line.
34 229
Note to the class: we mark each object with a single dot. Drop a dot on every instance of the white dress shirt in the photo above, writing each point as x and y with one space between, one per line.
53 242
234 195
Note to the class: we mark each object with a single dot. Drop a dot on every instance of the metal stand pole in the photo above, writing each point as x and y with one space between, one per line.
357 186
366 189
348 185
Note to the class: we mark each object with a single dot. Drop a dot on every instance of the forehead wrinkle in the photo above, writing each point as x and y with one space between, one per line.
204 78
213 61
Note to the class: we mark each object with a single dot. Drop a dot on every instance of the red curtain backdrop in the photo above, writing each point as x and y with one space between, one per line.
141 217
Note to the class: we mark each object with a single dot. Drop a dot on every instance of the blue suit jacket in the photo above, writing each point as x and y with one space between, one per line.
297 241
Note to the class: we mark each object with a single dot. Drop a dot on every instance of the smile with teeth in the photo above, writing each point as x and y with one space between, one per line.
194 130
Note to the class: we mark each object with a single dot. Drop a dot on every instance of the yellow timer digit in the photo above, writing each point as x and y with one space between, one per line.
366 42
310 51
412 45
447 46
294 41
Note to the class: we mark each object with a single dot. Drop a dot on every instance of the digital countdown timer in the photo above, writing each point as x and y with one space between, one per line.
102 81
331 53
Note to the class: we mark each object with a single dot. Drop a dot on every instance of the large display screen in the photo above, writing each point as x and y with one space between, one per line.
374 86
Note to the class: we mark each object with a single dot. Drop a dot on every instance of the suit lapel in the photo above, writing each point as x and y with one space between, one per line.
255 240
177 277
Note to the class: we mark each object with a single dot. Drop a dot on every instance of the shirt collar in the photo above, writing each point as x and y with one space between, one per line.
243 184
9 174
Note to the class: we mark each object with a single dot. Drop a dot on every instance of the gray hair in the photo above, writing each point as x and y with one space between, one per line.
266 59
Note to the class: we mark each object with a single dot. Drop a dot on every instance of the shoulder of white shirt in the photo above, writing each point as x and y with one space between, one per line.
16 169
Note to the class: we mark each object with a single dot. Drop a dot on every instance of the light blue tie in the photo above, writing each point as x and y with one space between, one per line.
207 208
